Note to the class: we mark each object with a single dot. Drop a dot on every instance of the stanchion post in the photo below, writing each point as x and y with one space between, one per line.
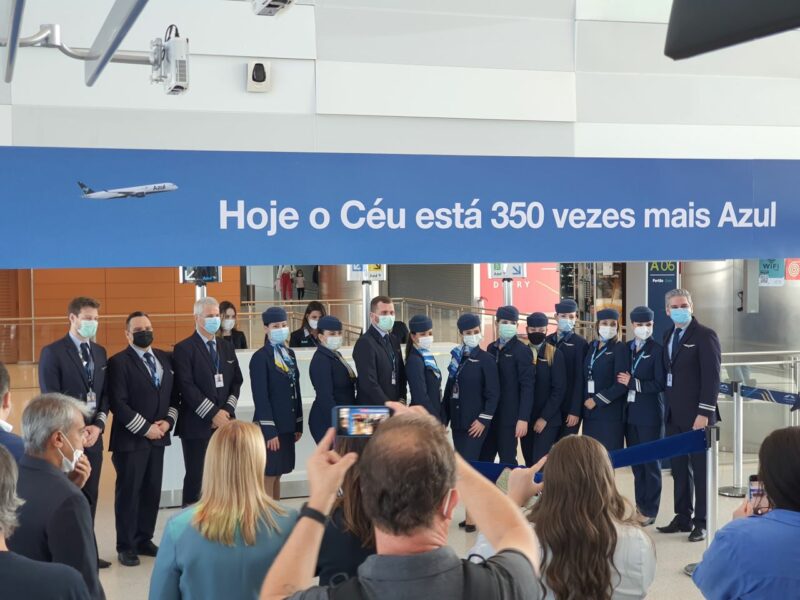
508 291
737 490
366 298
712 479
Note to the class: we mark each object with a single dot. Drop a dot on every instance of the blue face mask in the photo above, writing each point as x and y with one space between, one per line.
278 336
212 324
386 322
507 331
566 325
680 316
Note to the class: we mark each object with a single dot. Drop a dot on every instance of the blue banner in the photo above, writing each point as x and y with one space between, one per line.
162 208
755 393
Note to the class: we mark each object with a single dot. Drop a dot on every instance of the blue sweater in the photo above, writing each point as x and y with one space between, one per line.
190 567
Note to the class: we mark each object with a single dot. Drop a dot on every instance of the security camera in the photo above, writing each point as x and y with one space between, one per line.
269 8
171 62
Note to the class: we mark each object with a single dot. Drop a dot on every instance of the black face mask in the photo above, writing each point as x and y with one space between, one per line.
536 338
143 339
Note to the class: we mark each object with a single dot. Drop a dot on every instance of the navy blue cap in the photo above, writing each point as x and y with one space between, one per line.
537 319
329 323
642 314
468 321
420 323
508 313
567 305
274 314
607 313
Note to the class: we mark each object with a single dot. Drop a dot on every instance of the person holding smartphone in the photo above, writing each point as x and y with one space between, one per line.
755 555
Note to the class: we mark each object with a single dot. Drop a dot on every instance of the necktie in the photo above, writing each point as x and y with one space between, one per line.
212 348
676 340
151 363
87 360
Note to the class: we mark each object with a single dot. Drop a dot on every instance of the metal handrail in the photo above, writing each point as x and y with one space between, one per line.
763 353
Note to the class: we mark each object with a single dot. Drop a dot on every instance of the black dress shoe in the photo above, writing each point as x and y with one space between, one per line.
470 528
675 526
698 534
462 525
148 549
128 558
647 521
102 564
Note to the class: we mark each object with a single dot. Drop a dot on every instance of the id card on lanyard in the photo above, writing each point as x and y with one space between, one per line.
594 359
91 401
632 393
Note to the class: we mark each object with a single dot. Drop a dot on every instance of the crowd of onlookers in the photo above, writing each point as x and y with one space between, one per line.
377 519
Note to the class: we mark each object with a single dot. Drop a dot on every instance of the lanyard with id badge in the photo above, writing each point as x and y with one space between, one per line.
455 392
91 396
595 357
632 393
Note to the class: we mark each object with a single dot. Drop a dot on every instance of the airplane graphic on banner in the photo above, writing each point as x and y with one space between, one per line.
139 191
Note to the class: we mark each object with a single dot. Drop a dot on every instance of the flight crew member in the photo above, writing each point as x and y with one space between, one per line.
145 406
307 335
573 347
550 383
379 362
76 366
424 375
209 380
644 420
692 359
604 407
275 381
516 371
229 330
333 378
471 394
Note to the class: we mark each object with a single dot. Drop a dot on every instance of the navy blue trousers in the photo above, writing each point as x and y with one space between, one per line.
609 433
502 441
689 476
536 445
646 477
468 447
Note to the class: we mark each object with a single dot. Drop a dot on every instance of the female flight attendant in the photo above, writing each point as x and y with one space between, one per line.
333 378
306 336
548 395
275 381
423 374
604 406
228 331
471 394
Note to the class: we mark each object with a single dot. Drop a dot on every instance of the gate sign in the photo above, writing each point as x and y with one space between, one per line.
661 278
366 272
94 207
507 270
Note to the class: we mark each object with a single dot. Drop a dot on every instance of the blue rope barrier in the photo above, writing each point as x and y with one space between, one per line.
668 447
766 395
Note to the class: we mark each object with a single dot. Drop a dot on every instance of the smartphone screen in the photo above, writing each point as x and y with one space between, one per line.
358 421
755 490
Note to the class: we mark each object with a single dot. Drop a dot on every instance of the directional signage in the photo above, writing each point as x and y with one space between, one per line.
507 270
366 272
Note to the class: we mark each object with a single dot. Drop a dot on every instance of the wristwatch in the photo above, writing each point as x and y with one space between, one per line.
312 513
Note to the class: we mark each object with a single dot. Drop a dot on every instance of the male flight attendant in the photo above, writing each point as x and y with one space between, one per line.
692 359
209 379
76 366
573 347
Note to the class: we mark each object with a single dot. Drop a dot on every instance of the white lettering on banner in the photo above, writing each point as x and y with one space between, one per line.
319 218
377 216
595 218
447 218
259 218
678 218
748 217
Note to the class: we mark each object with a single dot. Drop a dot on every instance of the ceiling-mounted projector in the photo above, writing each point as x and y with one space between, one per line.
270 8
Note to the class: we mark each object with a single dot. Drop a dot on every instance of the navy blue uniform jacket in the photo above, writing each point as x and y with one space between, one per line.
279 408
61 370
648 382
609 395
695 376
424 384
374 367
551 384
333 387
479 392
573 347
516 371
13 443
201 399
137 403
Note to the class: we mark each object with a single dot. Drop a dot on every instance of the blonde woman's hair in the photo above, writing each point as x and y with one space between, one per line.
233 497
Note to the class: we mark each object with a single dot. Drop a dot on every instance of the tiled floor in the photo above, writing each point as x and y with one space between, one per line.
126 583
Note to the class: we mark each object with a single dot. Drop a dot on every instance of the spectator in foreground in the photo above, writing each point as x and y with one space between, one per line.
411 481
222 546
755 555
349 536
22 577
592 547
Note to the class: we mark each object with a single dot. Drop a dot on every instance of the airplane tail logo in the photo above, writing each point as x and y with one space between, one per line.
85 188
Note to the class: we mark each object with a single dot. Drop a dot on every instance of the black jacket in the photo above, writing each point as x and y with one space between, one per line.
137 403
55 524
201 399
61 370
374 367
573 347
516 371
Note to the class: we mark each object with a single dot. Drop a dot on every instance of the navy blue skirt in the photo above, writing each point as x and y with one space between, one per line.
282 461
468 447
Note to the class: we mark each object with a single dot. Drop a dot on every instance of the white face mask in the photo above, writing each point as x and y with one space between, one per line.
228 324
333 342
607 332
67 465
313 323
472 341
643 332
425 341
